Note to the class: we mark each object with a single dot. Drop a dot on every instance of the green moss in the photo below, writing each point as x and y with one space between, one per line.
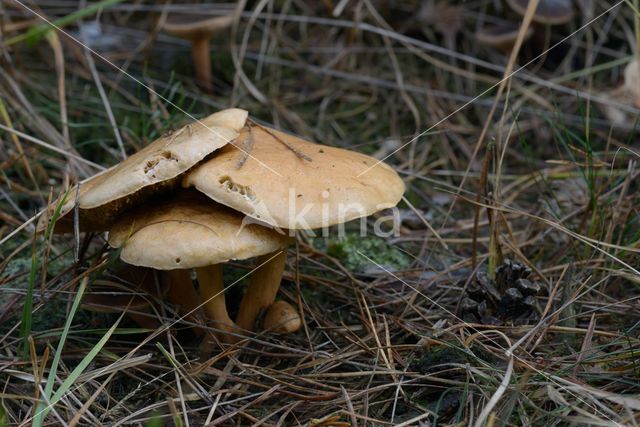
354 251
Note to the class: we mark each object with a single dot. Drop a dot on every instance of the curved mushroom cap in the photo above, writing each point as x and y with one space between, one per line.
190 231
279 188
548 12
104 196
501 37
192 26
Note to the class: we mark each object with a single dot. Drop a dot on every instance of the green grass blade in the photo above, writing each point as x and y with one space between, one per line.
66 385
56 359
51 378
4 422
27 315
73 376
166 354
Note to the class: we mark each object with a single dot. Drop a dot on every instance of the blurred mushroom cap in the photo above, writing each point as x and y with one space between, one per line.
193 26
149 171
291 183
548 12
188 231
501 37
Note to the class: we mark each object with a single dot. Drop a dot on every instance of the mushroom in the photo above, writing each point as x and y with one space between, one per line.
548 12
198 30
134 289
281 318
294 184
502 37
276 186
146 173
192 231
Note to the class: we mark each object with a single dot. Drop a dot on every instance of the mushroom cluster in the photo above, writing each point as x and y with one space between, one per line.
226 188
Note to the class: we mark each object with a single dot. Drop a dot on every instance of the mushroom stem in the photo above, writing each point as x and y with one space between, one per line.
212 288
202 62
263 287
182 293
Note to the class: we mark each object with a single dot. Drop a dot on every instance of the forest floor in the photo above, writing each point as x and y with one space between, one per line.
509 294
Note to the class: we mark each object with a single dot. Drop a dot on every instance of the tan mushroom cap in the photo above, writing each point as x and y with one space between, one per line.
193 26
502 36
548 12
279 188
190 231
151 169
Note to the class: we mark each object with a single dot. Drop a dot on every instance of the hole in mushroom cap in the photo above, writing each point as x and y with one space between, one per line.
178 260
151 164
150 167
244 190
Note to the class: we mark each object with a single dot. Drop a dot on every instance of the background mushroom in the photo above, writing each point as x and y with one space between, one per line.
198 30
502 37
192 231
548 12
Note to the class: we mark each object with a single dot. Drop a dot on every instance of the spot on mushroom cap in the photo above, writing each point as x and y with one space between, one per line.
548 12
279 188
189 231
150 170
